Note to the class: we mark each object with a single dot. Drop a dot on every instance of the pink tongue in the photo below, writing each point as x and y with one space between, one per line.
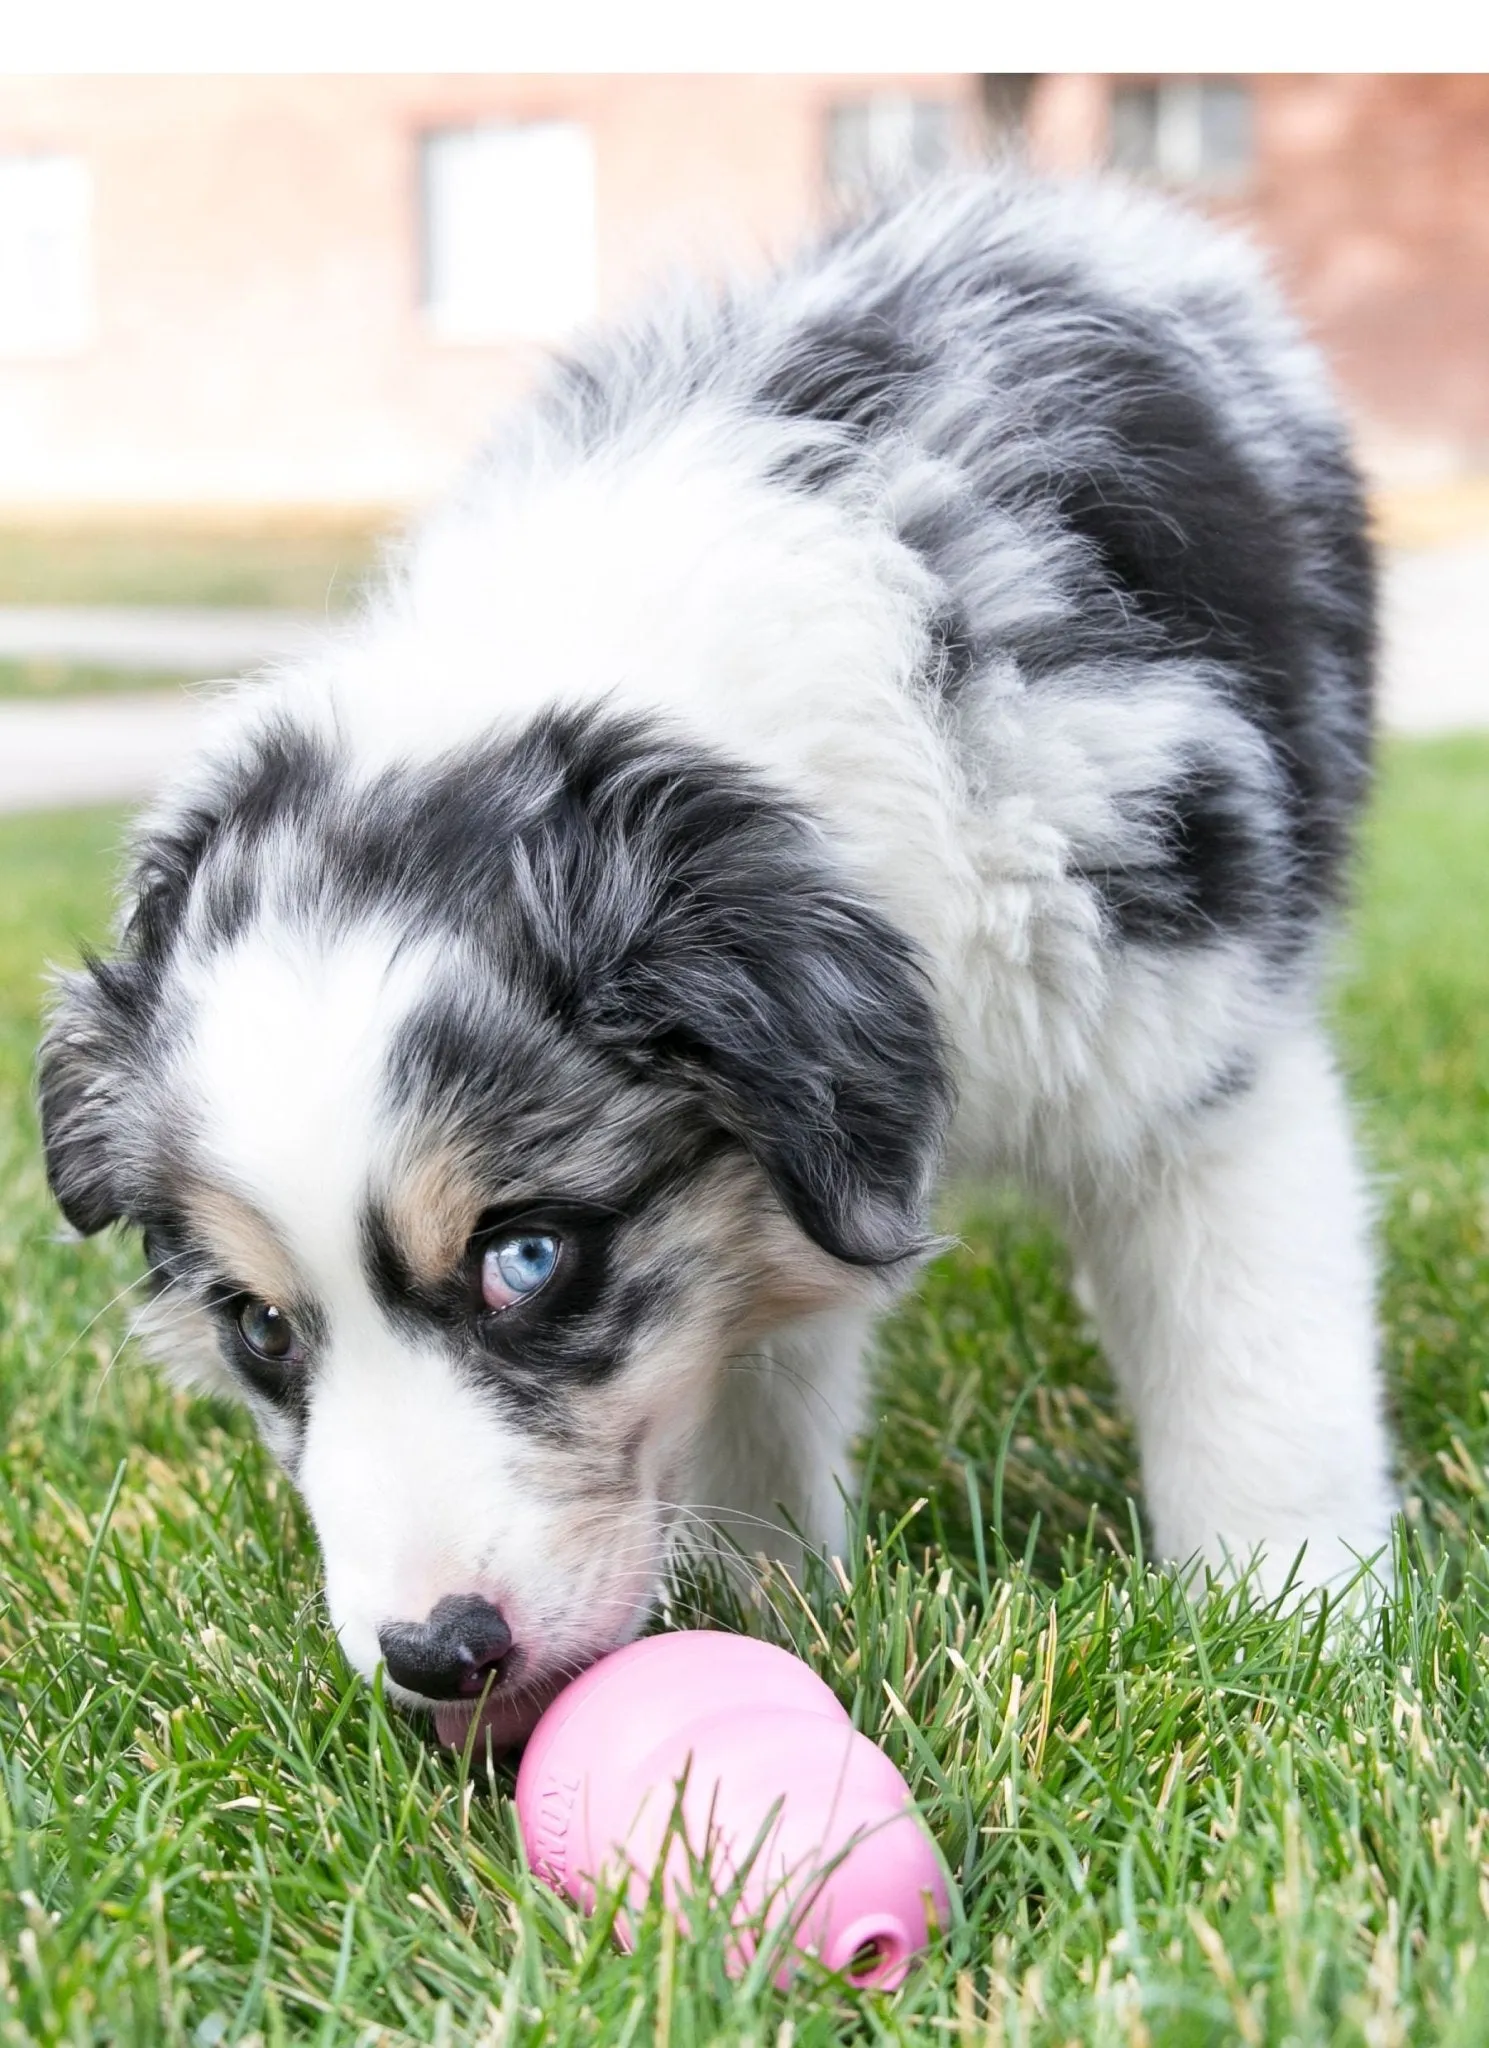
452 1723
505 1721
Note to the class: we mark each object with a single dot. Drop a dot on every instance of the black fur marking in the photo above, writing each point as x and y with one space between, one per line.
653 915
1192 550
177 1261
282 778
1185 530
953 656
719 952
77 1130
1233 1082
851 372
1206 514
107 1039
1211 870
577 1329
100 1033
395 1287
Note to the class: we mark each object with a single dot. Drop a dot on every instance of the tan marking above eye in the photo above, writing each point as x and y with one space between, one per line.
431 1211
244 1245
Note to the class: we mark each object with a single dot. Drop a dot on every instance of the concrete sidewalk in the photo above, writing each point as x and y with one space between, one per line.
93 750
1435 677
197 642
1435 639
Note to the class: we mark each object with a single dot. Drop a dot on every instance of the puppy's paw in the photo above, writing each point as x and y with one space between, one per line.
1355 1574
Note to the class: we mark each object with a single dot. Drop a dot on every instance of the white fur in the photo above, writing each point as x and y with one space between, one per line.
1231 1278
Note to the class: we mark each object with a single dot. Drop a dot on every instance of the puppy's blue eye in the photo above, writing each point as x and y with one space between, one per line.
514 1267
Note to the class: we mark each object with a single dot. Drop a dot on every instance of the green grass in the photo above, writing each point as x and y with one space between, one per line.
52 680
296 566
1164 1827
311 566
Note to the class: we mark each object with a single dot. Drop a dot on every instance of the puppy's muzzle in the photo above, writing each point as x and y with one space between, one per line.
451 1654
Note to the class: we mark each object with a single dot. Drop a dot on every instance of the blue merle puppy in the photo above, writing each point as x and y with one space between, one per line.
901 719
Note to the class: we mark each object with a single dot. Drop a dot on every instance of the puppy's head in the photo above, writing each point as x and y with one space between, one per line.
476 1116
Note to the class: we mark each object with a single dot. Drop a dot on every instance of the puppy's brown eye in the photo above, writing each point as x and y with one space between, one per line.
268 1332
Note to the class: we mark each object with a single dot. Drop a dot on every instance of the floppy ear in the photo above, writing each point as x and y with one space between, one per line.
81 1091
88 1063
700 925
803 1020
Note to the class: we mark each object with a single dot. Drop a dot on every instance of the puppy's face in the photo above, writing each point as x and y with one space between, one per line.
475 1119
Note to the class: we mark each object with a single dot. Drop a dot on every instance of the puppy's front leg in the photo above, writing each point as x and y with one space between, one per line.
1232 1283
776 1455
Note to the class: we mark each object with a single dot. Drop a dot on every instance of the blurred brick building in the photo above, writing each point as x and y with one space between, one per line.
1372 195
277 291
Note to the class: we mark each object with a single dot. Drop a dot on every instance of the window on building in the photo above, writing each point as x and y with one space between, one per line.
1005 105
508 230
1184 131
888 140
46 255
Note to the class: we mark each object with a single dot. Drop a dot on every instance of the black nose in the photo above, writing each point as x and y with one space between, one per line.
450 1655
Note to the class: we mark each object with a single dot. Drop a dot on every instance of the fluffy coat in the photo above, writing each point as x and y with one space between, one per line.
900 720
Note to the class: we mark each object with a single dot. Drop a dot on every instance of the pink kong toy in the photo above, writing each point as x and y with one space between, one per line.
843 1857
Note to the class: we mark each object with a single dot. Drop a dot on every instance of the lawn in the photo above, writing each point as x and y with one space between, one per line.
306 565
313 565
49 681
1164 1827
